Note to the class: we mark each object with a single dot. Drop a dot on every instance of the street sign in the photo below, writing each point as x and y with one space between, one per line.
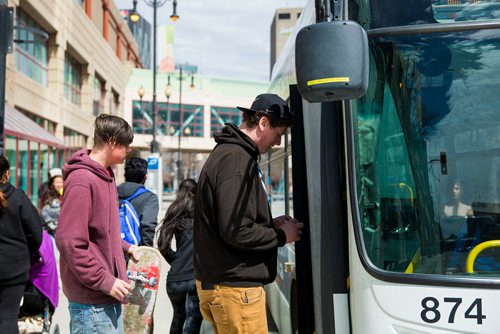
153 163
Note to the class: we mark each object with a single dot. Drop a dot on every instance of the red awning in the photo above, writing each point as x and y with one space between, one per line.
19 125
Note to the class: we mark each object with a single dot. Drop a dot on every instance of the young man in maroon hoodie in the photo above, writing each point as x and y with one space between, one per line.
91 250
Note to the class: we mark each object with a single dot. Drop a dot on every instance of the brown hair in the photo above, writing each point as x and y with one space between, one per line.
4 167
252 119
109 129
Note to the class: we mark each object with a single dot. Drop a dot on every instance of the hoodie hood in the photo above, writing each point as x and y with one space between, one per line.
81 160
232 135
7 189
126 189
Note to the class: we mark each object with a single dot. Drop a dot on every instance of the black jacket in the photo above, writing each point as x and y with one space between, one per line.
20 236
181 260
235 242
146 206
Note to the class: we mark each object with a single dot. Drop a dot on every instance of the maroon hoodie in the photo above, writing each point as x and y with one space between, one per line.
88 232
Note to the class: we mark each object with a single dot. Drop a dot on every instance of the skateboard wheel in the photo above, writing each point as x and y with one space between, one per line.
152 282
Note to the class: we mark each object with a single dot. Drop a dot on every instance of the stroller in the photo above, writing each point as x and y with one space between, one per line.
41 294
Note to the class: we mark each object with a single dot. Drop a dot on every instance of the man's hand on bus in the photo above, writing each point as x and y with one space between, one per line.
292 228
280 220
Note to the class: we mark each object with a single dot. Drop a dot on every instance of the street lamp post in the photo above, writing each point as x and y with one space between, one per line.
134 17
182 129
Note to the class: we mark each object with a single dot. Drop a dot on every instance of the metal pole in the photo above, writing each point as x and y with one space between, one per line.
180 129
154 144
5 39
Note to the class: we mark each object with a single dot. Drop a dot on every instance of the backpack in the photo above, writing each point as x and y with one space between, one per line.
129 219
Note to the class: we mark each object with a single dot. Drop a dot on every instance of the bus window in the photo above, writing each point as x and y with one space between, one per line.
429 118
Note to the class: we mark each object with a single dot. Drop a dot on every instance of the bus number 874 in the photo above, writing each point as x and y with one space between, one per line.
431 314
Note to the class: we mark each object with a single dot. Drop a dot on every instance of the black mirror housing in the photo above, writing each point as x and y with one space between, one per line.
331 61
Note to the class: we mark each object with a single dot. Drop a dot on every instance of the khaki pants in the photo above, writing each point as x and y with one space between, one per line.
233 310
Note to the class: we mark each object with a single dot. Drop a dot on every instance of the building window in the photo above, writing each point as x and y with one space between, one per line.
221 115
22 165
298 14
80 2
73 140
11 155
98 96
284 16
114 104
191 117
168 118
31 56
49 126
72 79
142 122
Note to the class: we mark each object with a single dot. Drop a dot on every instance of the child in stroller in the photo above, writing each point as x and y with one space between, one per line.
41 295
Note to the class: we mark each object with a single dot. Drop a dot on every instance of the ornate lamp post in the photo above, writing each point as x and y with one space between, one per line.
135 17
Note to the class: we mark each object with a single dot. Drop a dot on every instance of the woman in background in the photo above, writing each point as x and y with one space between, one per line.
50 204
20 238
181 288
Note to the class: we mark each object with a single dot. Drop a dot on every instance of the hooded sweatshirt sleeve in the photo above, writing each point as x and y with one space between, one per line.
72 239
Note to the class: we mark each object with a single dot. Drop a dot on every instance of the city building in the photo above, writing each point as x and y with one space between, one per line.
206 103
142 32
282 26
71 62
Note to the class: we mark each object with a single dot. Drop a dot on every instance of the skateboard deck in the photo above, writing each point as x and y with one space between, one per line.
144 277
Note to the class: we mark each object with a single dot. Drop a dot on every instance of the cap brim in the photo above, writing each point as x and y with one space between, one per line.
248 110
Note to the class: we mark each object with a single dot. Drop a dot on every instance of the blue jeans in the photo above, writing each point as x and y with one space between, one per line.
95 318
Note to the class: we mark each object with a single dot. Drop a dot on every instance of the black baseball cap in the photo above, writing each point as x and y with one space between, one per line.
270 104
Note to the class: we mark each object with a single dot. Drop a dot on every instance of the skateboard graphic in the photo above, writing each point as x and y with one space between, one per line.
144 277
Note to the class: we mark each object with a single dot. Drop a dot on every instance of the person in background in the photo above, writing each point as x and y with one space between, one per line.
20 239
146 204
181 288
456 207
52 173
92 262
50 204
235 237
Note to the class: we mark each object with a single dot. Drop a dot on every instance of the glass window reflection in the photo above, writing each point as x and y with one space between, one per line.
427 153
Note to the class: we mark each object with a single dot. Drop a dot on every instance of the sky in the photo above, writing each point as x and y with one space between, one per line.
224 38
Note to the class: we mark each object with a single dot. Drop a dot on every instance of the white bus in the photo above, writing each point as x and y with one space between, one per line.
399 187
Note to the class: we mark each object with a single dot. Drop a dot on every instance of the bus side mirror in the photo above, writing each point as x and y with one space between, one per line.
331 60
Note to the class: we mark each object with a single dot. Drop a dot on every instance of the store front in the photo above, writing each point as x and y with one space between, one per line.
31 151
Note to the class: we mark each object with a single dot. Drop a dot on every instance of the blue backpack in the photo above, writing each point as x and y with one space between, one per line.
129 220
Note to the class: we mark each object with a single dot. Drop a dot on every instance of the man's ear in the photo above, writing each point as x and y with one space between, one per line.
145 178
263 122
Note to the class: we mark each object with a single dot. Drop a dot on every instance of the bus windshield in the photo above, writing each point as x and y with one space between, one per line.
427 141
390 13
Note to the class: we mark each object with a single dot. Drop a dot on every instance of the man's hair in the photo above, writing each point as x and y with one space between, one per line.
135 170
251 120
271 106
109 129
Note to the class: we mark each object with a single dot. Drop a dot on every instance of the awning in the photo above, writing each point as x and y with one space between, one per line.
18 124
